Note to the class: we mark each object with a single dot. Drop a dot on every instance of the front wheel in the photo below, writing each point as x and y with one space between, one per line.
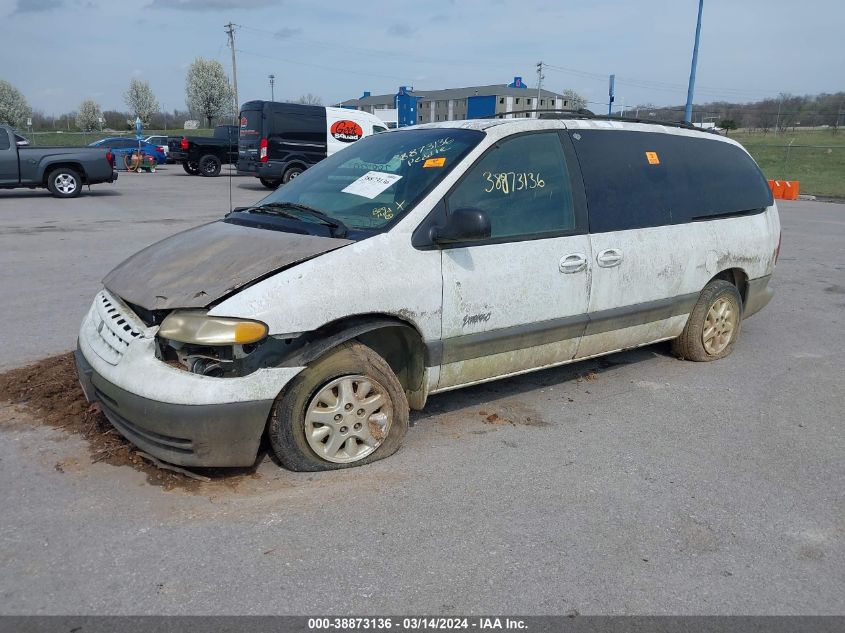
64 182
713 325
191 168
345 409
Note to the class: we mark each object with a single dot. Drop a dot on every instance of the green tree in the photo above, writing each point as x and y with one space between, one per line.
727 125
13 106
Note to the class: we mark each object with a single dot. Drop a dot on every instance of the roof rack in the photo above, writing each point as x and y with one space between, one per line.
585 115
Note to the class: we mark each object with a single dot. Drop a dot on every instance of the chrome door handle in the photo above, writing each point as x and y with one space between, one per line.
574 263
609 258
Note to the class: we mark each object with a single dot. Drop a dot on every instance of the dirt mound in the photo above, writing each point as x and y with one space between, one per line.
50 392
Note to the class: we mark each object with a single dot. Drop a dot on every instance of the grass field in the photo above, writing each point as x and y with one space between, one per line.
816 157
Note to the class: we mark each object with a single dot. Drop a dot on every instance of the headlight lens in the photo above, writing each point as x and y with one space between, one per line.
201 329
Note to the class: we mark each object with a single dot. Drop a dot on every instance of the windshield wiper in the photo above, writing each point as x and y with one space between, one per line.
338 228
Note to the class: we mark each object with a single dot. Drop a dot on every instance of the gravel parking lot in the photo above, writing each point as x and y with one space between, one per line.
635 484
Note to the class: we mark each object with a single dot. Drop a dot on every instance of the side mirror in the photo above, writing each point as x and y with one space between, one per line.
462 225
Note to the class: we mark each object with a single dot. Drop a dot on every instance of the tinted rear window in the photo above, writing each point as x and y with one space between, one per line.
640 179
4 140
250 125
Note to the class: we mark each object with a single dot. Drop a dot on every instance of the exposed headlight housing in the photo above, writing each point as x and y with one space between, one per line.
198 328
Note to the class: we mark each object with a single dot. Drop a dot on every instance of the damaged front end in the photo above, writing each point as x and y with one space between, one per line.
216 346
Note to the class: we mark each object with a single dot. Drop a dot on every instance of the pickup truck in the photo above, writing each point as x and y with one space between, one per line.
205 155
63 170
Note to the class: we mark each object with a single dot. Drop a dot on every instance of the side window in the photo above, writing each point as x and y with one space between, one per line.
4 140
523 185
626 178
378 128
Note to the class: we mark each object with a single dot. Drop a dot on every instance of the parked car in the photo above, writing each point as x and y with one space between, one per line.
123 146
205 155
62 170
161 143
422 260
278 141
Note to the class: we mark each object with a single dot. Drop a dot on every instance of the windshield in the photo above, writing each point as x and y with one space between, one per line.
378 179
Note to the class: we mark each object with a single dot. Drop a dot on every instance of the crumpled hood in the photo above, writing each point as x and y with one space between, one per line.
197 267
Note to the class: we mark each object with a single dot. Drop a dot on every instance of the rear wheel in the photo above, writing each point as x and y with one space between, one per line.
713 325
291 173
345 409
210 165
270 184
64 182
191 168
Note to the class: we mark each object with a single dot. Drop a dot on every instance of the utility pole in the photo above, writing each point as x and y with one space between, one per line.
610 95
540 78
230 31
691 89
272 84
777 120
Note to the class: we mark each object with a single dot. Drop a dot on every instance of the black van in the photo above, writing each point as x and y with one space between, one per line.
278 141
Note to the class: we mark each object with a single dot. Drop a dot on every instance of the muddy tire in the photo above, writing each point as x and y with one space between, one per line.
210 166
64 182
345 409
291 173
270 184
714 324
191 168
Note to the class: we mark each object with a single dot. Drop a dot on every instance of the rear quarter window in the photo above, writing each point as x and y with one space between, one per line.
642 179
4 140
250 123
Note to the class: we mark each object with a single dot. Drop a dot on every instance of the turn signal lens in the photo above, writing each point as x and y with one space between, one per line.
200 329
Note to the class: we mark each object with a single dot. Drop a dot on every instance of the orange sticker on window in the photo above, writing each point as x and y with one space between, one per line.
434 162
652 157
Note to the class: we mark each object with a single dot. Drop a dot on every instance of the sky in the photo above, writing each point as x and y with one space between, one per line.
59 52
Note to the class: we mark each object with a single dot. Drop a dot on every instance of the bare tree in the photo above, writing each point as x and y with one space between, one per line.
140 100
576 101
207 88
13 106
89 116
309 99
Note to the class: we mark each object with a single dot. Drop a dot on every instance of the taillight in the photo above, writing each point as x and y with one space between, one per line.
110 157
162 148
262 150
184 144
777 248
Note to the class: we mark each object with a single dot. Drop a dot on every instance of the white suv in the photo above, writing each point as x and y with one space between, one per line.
422 260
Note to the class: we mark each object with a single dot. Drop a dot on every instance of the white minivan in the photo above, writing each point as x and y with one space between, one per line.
421 260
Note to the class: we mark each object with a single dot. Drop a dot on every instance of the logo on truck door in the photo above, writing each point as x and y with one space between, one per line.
346 131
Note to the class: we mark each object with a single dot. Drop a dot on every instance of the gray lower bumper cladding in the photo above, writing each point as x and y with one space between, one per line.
226 434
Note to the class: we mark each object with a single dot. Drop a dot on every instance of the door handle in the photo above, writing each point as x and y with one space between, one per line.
609 258
574 263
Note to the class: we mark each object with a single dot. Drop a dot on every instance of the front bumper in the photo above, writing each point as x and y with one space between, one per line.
173 414
224 434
